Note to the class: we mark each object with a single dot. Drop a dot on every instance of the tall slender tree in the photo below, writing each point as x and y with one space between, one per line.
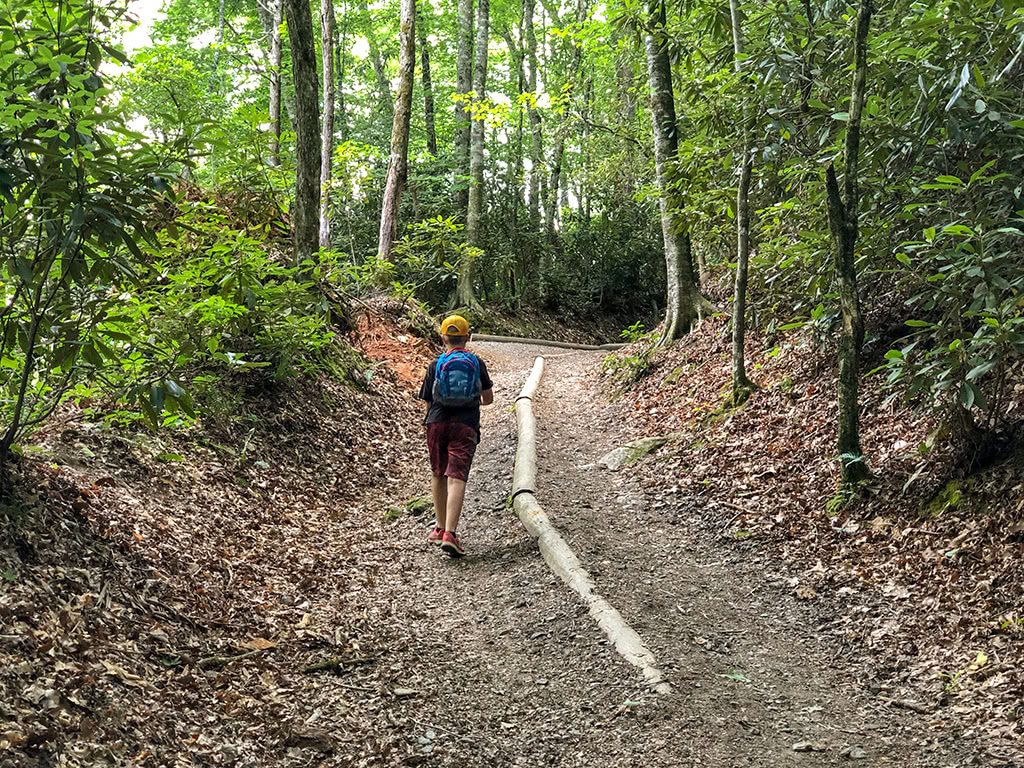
684 304
305 208
843 217
741 385
428 84
383 84
327 33
574 71
536 128
463 86
341 60
465 293
274 95
398 161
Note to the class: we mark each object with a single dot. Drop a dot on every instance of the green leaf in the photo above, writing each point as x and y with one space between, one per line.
156 397
968 394
736 674
981 369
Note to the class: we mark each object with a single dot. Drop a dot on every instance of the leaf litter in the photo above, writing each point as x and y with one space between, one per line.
920 581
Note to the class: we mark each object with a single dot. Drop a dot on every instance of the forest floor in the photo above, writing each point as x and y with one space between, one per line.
261 603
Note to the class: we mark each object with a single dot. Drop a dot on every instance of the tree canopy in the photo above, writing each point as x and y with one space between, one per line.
849 170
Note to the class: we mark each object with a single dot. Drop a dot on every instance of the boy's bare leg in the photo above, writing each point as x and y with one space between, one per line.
456 494
439 492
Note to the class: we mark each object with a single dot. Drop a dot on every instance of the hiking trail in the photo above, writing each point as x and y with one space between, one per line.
509 669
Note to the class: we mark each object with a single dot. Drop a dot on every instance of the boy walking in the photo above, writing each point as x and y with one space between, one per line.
456 385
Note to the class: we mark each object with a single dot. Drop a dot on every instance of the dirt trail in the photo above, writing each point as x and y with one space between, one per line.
509 670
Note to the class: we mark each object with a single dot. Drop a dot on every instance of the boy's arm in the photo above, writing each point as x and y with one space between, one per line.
486 385
426 392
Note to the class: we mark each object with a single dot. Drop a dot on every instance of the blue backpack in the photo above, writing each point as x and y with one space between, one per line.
457 379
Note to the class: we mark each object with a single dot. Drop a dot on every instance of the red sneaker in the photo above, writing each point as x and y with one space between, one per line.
451 545
435 535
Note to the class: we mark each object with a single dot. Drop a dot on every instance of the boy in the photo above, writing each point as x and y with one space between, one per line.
456 385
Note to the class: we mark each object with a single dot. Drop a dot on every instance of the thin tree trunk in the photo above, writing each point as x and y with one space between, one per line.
327 132
340 52
397 164
463 85
383 84
428 86
741 385
683 305
551 204
465 293
307 130
516 171
536 130
271 15
626 77
220 42
843 216
275 83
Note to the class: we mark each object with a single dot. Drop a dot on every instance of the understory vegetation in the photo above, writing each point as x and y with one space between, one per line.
226 227
154 238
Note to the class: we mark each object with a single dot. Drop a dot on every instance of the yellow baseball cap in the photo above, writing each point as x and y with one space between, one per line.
455 325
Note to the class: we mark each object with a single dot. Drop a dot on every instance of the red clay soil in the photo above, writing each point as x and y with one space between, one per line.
384 336
924 574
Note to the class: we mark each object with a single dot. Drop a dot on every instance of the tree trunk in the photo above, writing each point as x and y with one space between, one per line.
340 51
380 73
843 215
271 15
463 85
516 173
307 130
275 84
551 206
741 385
398 161
683 303
465 293
536 130
428 86
327 131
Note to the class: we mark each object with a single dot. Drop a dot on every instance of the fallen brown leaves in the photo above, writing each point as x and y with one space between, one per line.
923 577
168 597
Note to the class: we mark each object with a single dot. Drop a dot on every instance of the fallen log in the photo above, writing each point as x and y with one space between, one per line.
546 343
557 553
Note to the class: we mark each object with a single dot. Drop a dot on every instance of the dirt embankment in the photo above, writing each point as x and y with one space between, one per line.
161 595
924 575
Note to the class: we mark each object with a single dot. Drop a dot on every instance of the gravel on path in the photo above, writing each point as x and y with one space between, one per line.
508 669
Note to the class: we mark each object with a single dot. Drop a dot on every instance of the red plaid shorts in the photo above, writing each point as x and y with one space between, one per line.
451 447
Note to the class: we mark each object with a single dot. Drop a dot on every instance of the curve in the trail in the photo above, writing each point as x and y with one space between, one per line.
546 343
557 553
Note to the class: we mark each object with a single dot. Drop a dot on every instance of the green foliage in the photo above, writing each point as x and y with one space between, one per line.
78 192
965 279
625 369
428 258
634 333
217 298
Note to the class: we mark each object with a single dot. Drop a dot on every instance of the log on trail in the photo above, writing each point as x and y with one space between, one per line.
557 553
524 473
546 343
